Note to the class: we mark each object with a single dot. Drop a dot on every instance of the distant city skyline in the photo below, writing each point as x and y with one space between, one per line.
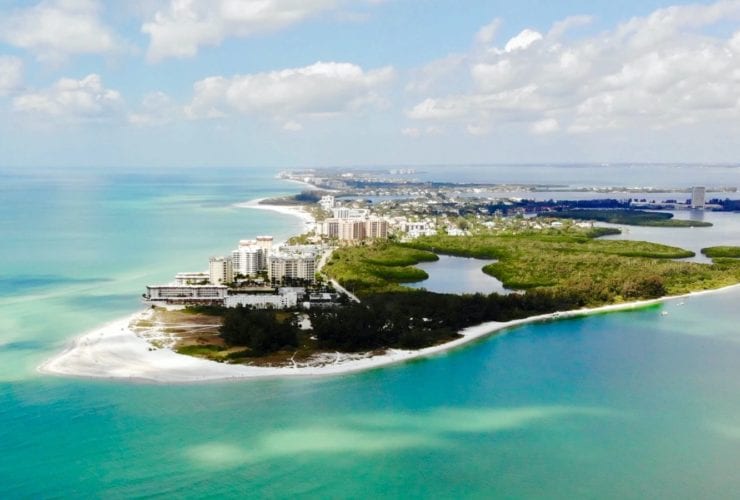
284 83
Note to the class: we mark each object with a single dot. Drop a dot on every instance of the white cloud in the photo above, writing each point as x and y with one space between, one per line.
649 73
523 40
11 74
183 26
321 89
56 29
71 100
157 108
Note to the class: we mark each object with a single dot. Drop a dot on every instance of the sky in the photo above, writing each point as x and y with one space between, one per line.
294 83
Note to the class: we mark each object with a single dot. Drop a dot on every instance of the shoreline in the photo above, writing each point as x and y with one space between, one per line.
114 351
309 222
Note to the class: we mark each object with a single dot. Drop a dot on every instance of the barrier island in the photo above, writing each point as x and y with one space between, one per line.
555 270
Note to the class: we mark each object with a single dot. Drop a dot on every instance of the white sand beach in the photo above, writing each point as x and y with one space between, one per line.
294 210
115 351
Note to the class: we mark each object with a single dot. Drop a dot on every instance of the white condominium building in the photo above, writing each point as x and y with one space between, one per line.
327 202
220 270
247 260
350 213
291 265
185 293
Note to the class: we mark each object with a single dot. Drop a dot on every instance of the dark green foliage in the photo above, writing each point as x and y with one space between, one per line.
628 217
419 319
308 196
722 252
378 268
263 331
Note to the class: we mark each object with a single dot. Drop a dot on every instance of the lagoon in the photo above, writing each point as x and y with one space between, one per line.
458 275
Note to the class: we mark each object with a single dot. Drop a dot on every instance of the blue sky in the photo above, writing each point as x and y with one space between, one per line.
364 82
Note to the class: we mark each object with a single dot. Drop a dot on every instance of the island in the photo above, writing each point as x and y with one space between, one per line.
336 298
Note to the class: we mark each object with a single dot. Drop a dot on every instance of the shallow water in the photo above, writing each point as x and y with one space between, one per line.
622 405
452 274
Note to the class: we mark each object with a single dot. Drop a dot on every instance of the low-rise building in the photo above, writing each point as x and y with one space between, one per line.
263 301
186 294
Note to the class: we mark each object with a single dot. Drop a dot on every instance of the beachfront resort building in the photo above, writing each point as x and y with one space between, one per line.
292 263
698 195
247 259
251 256
220 270
185 294
353 229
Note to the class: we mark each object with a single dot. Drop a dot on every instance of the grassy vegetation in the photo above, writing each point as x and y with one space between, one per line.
726 252
208 351
627 217
602 271
377 268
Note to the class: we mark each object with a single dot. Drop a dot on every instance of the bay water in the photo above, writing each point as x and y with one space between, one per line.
623 405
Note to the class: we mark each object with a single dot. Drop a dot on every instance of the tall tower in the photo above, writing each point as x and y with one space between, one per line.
265 244
698 193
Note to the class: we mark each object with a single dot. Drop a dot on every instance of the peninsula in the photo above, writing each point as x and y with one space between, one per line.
333 299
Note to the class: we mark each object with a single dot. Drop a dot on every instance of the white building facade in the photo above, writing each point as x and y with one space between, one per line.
220 270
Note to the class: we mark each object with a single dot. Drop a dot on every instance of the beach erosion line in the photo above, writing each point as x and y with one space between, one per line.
115 351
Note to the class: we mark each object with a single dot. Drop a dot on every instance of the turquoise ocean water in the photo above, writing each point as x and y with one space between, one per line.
624 405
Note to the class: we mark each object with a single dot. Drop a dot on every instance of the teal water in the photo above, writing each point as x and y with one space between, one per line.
625 405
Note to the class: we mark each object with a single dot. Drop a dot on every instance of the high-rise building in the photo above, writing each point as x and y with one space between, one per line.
698 195
220 270
247 260
299 265
376 228
353 229
265 244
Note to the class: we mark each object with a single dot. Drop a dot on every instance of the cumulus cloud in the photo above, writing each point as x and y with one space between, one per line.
183 26
11 74
650 72
70 100
56 29
320 89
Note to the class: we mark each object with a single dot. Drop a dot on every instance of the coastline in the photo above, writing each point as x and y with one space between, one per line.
299 211
114 351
